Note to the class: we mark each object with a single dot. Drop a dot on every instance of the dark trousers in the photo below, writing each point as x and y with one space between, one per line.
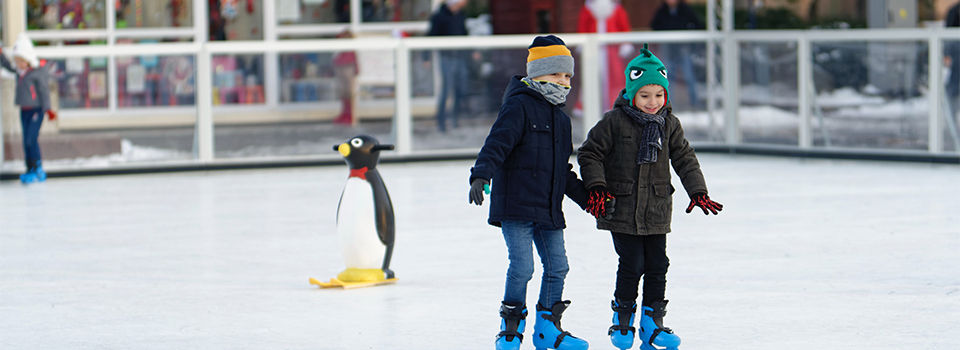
30 121
454 81
641 256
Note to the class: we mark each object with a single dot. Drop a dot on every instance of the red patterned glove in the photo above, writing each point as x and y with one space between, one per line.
51 114
703 201
599 203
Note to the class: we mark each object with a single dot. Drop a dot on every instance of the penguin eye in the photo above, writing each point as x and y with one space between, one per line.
356 143
636 74
663 71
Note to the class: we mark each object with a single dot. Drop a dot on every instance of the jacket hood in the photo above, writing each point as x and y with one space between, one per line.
23 48
622 102
518 87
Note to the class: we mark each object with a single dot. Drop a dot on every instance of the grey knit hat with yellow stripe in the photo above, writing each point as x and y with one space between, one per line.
547 55
643 70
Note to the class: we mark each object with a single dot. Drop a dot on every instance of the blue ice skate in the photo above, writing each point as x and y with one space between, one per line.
28 177
622 332
512 323
39 173
653 335
547 333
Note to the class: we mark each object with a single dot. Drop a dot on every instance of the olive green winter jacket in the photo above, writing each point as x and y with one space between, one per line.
643 191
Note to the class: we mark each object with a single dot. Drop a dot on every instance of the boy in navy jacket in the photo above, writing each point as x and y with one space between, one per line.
527 154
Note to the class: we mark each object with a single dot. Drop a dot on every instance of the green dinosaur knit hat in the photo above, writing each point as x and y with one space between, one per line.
645 69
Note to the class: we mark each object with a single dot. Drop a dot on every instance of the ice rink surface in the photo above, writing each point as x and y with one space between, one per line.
808 254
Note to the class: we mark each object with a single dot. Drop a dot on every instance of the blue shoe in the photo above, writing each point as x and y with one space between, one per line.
622 332
512 323
547 333
40 174
652 332
28 177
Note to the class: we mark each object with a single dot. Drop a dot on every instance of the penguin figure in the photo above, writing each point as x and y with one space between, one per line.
365 221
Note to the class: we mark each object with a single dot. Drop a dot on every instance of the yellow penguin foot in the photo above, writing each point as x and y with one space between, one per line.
354 275
357 278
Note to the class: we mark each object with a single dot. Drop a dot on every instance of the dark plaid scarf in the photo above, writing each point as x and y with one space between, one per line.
651 140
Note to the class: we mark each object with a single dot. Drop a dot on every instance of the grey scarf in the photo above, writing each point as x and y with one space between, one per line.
554 93
652 136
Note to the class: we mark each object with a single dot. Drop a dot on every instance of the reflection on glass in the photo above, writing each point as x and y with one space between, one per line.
238 79
235 20
81 82
155 81
308 77
469 109
154 13
324 98
686 65
870 95
768 93
66 14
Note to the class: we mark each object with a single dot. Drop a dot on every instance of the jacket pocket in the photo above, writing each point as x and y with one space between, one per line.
624 205
661 204
538 142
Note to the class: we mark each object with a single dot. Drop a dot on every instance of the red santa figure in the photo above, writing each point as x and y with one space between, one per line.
607 16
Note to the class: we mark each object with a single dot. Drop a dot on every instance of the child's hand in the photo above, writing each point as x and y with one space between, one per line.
476 190
51 114
600 203
703 201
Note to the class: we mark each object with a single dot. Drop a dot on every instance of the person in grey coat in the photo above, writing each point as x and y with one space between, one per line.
33 97
625 165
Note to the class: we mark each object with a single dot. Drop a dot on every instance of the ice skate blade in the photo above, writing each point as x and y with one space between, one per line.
645 346
336 283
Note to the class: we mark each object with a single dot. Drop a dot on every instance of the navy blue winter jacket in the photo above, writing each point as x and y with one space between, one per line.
527 153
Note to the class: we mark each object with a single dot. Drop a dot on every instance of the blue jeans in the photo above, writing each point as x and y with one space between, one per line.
30 121
519 235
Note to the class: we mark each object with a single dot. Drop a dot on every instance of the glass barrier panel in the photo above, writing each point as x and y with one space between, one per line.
457 95
145 81
768 93
237 79
154 13
325 98
870 95
686 65
951 96
86 135
81 82
66 14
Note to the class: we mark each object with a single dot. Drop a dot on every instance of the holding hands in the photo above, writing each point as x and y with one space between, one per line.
601 202
703 201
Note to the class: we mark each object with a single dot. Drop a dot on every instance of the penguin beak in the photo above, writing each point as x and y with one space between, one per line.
343 148
383 148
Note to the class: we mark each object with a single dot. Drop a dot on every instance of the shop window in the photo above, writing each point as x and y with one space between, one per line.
154 13
155 81
338 11
238 79
66 14
80 82
235 19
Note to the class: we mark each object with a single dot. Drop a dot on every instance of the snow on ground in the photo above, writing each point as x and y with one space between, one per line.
807 254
